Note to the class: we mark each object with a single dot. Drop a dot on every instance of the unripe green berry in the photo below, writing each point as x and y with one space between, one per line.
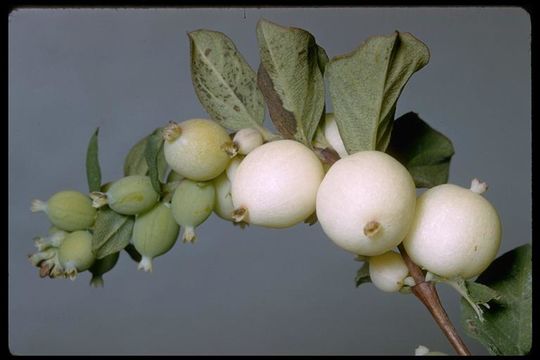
102 266
130 195
154 233
191 205
247 140
196 148
68 210
223 206
75 253
387 271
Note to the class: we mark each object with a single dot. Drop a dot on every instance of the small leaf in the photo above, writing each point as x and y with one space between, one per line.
507 329
362 275
107 224
366 84
425 152
153 147
224 82
291 80
133 253
93 171
322 59
135 161
118 241
480 293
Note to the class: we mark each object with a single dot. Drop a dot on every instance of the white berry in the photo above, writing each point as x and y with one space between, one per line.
246 140
456 231
276 184
331 133
387 271
365 203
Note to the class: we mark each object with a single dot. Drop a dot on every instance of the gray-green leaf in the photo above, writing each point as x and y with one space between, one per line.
135 161
291 80
322 59
224 82
118 241
507 329
154 146
107 224
425 152
480 293
362 275
366 84
93 171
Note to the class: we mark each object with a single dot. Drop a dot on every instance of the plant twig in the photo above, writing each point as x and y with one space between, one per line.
427 294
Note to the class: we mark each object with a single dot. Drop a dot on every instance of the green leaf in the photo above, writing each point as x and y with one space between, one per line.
135 161
507 329
107 224
154 146
93 171
425 152
366 84
322 59
291 80
362 275
480 293
224 82
118 241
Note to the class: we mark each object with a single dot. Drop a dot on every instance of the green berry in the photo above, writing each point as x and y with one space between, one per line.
68 210
191 205
223 205
130 195
197 148
102 266
75 253
154 233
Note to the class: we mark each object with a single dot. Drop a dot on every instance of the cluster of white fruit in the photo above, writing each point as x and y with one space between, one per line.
365 202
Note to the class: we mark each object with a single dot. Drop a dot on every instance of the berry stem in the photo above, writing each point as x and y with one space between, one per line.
427 294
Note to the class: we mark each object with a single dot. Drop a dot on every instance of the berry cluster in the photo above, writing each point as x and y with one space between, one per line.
365 202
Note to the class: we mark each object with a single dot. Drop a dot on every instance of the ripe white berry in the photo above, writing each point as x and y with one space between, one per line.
387 271
233 166
456 231
365 203
247 140
276 184
331 133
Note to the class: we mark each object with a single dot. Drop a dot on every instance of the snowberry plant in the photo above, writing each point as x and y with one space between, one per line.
355 170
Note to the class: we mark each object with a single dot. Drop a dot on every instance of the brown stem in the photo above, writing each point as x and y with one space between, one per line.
426 292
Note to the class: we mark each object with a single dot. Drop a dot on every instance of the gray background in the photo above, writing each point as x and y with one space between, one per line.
257 291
